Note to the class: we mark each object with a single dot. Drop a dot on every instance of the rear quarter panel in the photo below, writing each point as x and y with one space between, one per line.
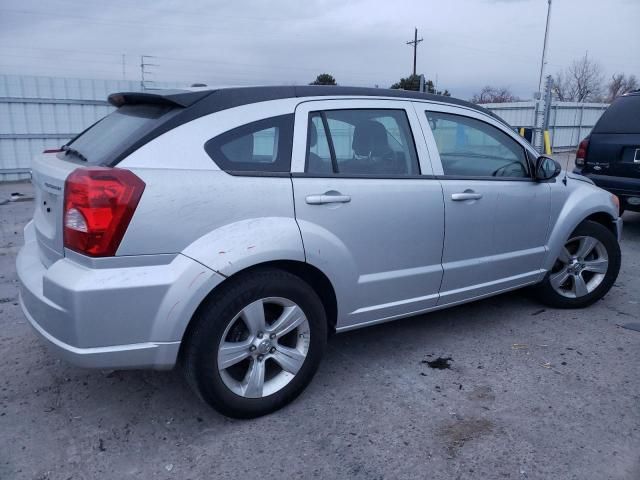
226 222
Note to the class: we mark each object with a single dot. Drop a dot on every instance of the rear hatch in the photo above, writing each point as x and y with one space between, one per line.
614 143
103 144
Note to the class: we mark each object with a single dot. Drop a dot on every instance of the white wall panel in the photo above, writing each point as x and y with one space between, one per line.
67 106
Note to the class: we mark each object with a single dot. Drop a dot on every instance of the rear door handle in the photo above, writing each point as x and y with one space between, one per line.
322 199
459 197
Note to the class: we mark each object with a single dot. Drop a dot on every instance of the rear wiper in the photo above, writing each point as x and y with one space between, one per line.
68 150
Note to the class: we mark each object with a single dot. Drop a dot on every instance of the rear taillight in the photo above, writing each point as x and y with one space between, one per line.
98 205
581 154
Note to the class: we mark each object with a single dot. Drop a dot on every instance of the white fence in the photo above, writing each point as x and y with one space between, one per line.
569 122
45 112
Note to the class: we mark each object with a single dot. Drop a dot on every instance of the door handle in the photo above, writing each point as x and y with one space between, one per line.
459 197
323 199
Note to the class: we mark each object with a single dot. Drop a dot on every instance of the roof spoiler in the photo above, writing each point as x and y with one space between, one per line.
172 98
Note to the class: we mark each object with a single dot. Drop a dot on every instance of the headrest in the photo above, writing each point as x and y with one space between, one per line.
370 138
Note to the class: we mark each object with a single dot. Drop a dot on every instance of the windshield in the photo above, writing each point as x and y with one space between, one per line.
116 132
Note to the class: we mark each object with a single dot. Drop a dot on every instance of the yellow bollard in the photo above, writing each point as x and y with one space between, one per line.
547 143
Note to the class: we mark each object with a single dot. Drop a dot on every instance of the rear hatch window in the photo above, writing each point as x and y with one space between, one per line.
103 142
622 116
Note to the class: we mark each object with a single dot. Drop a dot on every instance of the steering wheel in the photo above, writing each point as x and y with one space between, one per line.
504 167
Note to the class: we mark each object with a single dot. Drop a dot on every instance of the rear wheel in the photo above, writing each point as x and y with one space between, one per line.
585 270
256 344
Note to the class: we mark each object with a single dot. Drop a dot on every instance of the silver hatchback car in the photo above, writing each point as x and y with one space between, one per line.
230 231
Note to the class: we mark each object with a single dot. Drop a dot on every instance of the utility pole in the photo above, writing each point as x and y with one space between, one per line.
415 43
544 47
124 71
144 70
540 106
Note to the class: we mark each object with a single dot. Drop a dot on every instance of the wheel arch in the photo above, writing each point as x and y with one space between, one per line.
317 279
564 229
603 218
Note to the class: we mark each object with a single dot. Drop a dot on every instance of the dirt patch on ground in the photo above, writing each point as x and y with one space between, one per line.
462 431
482 393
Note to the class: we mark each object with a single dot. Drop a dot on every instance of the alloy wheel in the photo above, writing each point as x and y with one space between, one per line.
263 347
581 267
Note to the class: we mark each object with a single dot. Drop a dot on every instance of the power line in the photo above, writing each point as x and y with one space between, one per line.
415 43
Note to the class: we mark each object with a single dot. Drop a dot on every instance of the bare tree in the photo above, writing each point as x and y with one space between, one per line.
620 84
490 94
581 82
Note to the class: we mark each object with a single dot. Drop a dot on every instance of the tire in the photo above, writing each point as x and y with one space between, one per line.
597 278
230 314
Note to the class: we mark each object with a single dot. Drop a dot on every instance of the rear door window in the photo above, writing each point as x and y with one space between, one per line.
103 141
361 142
261 146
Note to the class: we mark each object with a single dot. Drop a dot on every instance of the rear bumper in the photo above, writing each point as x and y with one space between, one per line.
112 317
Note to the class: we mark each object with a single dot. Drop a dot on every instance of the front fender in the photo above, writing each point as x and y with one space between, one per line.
236 246
580 203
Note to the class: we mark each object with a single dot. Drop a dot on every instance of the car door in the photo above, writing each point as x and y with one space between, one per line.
370 213
496 215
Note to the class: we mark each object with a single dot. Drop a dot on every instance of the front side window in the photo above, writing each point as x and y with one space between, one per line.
361 142
262 146
472 148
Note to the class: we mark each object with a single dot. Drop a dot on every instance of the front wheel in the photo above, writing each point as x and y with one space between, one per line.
586 269
256 343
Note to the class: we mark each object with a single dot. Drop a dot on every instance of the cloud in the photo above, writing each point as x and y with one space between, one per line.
467 43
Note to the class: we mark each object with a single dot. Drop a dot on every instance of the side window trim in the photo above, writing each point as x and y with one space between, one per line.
322 113
426 163
430 138
284 125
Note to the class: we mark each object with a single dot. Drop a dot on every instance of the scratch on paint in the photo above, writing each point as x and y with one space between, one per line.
194 279
250 247
172 308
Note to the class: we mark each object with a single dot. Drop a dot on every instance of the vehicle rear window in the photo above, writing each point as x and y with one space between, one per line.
622 116
104 140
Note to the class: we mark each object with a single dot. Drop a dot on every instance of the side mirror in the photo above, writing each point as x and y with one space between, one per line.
547 168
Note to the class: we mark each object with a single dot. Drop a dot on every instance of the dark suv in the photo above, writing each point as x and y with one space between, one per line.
610 155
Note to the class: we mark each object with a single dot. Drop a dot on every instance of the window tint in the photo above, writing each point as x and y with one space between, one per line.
470 147
361 142
116 132
262 146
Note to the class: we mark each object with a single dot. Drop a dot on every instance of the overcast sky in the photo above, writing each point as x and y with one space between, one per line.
467 43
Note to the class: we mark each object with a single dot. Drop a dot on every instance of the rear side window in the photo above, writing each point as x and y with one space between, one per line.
622 116
361 142
103 141
262 146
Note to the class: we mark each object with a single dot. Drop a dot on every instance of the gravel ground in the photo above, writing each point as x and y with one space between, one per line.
531 393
